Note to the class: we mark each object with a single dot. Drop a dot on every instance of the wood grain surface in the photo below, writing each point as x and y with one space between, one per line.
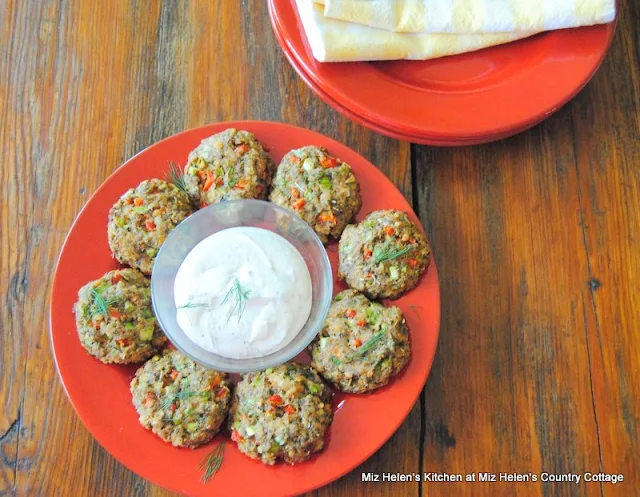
536 239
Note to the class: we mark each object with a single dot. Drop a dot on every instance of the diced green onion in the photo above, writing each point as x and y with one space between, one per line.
141 209
129 326
192 426
372 316
325 182
307 165
323 342
393 272
274 448
146 334
313 388
250 431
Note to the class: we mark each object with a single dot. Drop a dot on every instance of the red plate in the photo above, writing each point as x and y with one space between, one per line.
471 98
372 125
100 393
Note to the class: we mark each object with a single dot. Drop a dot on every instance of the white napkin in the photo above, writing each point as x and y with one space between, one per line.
471 16
338 41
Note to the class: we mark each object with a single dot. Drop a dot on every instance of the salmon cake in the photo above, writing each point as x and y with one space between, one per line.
384 256
141 220
281 413
362 344
319 188
114 318
179 400
230 165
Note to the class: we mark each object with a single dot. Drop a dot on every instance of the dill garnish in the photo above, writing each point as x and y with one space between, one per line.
237 296
175 175
192 305
100 304
184 394
212 462
414 309
387 252
363 349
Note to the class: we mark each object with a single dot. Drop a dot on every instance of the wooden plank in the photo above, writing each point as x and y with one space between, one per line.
510 390
606 126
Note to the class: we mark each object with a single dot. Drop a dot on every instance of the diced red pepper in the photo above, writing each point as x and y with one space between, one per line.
123 342
137 201
351 313
389 231
361 323
149 398
357 342
242 149
240 185
215 382
208 183
128 202
174 374
259 189
289 409
116 278
295 193
299 204
203 205
114 313
173 407
221 393
294 158
327 218
275 400
236 437
201 174
329 162
367 253
149 225
413 262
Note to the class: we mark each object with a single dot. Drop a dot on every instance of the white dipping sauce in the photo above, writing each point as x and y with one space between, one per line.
243 293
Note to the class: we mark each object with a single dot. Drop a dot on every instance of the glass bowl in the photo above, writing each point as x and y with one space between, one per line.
217 217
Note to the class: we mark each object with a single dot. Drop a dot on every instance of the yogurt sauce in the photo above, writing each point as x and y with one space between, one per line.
243 293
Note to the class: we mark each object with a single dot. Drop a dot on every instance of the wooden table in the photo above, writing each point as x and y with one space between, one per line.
537 240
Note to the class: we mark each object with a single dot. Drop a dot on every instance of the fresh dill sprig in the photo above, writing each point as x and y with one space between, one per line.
100 304
212 462
363 349
237 296
176 176
192 305
415 308
387 252
184 394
